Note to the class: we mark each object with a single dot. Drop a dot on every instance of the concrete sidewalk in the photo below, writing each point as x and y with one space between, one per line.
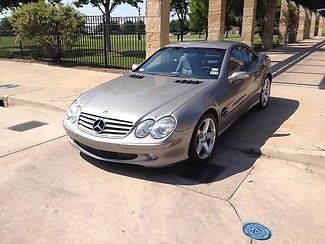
291 128
49 86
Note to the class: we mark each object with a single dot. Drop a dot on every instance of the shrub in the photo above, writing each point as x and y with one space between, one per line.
55 27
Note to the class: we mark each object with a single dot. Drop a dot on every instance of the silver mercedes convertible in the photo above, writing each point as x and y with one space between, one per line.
172 107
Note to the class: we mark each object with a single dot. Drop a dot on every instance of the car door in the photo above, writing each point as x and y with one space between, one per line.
255 69
253 84
235 91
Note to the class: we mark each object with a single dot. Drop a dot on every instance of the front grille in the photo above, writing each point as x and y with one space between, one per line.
113 127
107 154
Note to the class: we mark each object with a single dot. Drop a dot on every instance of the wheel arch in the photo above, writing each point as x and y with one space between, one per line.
269 75
212 111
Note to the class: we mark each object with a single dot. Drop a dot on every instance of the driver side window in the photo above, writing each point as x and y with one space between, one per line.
239 59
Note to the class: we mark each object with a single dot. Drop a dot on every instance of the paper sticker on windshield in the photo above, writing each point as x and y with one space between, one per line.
214 71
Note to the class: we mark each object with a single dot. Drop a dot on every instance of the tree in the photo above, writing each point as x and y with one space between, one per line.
11 4
129 27
47 25
107 7
5 25
181 9
174 26
234 14
199 11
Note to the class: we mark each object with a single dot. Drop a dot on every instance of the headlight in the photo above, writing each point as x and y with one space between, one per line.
144 129
158 130
73 111
163 127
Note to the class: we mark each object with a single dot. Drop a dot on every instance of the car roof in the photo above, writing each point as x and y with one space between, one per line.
205 44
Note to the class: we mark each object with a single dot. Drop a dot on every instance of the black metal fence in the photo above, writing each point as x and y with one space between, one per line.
115 42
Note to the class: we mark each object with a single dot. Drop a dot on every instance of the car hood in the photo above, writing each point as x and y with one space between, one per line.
131 99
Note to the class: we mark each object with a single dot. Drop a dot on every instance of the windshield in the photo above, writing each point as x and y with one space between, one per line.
202 63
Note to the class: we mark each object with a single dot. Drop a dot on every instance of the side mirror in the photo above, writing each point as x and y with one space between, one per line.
135 66
240 75
263 58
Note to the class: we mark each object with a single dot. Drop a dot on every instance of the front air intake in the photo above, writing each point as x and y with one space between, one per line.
184 81
136 76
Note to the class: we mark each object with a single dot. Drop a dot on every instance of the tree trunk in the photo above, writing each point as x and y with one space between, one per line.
58 56
206 33
182 31
268 25
107 27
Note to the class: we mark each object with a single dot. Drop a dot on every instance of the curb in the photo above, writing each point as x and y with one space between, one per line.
312 157
17 101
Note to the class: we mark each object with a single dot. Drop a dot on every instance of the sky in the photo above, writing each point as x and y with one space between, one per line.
122 10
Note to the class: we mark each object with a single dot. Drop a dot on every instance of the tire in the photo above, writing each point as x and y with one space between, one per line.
201 153
265 94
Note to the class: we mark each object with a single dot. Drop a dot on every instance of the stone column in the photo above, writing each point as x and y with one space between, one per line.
323 28
268 25
157 25
320 26
217 16
313 24
283 23
248 29
293 24
307 24
301 23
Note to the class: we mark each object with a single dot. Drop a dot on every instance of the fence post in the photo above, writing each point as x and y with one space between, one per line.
21 50
104 40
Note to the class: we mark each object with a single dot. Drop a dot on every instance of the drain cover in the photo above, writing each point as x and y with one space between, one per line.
26 126
257 231
202 173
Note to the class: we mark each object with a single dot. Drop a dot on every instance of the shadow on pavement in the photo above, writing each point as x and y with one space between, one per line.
255 127
299 53
322 84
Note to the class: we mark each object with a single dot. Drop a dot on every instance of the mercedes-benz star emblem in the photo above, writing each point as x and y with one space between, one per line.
98 126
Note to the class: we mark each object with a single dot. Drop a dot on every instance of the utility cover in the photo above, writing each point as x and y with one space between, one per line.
257 231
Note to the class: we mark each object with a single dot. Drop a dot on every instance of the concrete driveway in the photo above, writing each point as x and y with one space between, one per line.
268 168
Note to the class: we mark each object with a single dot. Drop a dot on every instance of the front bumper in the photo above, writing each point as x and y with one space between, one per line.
158 154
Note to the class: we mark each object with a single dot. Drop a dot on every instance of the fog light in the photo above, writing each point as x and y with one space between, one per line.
152 156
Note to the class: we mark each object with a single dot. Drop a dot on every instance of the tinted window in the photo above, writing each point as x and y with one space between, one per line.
236 61
240 60
204 63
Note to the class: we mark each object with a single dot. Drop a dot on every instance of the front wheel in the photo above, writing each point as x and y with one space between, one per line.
265 94
203 140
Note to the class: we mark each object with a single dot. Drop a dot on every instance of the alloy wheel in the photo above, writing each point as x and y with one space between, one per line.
205 138
266 90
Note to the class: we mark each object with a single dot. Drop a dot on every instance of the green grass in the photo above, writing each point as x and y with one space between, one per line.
89 50
236 38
